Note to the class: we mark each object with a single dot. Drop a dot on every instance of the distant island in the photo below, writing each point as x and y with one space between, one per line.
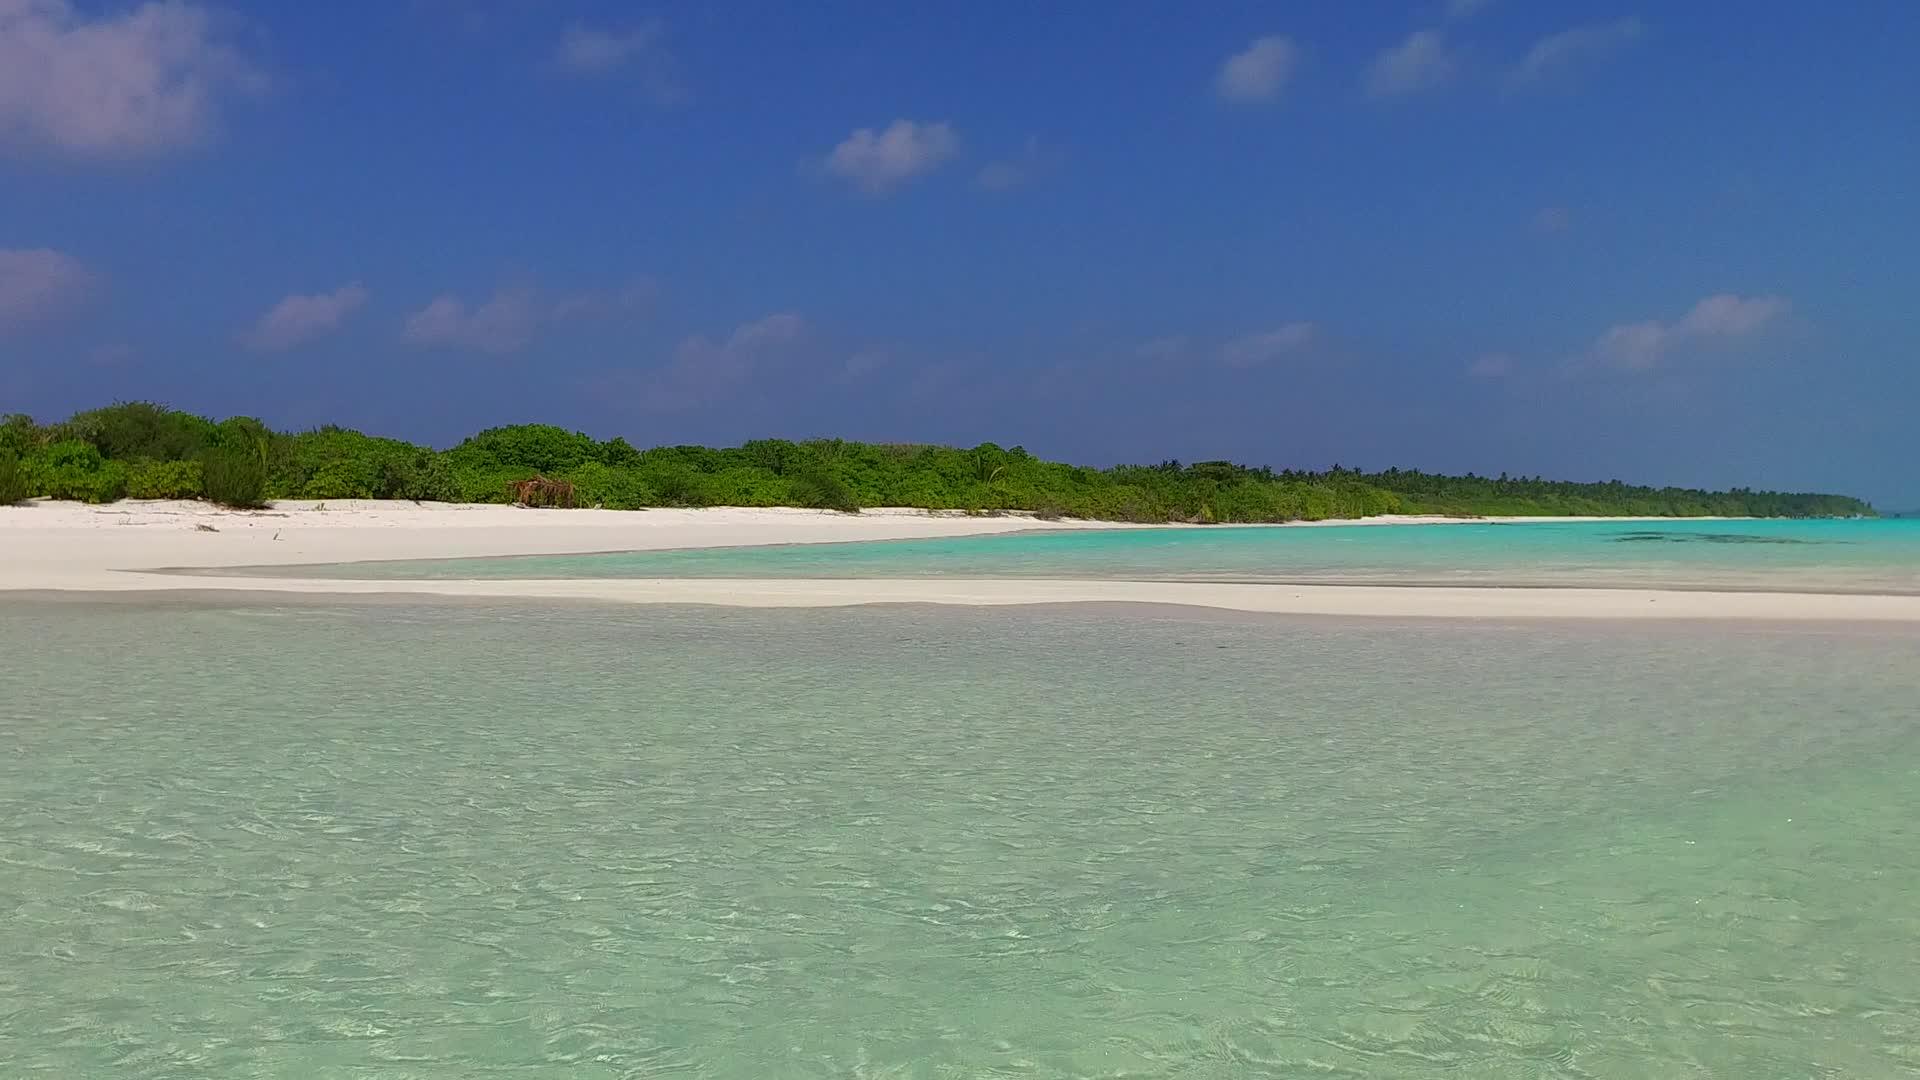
145 451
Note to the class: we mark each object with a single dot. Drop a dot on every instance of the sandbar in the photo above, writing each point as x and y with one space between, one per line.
117 548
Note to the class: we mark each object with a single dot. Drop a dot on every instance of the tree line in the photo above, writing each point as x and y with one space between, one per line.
146 451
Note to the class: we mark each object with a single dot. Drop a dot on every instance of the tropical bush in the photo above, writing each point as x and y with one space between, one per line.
598 484
164 480
150 451
235 476
14 486
821 490
535 448
422 476
141 430
20 436
71 469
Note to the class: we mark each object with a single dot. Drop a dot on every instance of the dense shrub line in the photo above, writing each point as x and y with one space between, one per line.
141 450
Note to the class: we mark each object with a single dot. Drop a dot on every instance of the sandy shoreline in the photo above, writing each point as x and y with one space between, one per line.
65 546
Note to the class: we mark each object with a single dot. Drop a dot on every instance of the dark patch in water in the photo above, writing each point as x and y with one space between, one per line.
1657 537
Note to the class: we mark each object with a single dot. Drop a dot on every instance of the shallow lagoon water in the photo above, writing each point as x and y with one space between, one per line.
286 837
1777 555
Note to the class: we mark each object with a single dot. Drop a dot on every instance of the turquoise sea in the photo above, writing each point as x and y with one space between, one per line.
1822 556
283 837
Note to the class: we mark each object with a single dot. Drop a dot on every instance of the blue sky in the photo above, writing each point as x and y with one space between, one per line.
1671 243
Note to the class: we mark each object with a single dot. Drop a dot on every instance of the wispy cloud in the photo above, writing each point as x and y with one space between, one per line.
1493 365
113 354
1253 350
637 50
867 361
585 50
703 369
636 297
504 324
877 162
1422 62
1034 161
1552 219
775 329
118 84
1171 347
1569 50
1721 318
298 319
39 283
510 319
1259 72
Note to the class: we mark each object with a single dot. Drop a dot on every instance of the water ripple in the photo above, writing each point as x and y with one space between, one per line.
464 841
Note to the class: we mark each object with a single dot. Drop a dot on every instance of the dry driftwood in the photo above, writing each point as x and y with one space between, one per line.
540 491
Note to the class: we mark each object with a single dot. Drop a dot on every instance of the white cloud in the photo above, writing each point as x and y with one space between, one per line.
297 320
591 52
135 81
1569 49
876 162
775 329
867 361
510 319
503 324
1727 315
1035 161
703 369
1491 365
1421 62
586 51
1259 72
1253 350
1466 9
1634 346
1171 347
112 354
1642 346
636 296
1553 219
38 283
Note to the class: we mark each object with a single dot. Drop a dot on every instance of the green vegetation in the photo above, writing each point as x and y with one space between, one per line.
72 469
165 480
147 451
14 485
234 476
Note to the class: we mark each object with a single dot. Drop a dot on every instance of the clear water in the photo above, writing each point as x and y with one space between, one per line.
319 839
1833 556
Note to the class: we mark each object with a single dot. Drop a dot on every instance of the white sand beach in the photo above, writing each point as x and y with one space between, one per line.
68 546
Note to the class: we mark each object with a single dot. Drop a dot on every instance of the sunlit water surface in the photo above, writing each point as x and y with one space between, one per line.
1868 556
343 839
